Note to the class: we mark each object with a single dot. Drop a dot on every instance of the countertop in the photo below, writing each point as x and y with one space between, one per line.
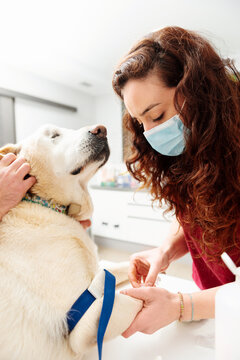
177 341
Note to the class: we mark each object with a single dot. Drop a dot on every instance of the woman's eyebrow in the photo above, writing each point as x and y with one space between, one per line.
149 108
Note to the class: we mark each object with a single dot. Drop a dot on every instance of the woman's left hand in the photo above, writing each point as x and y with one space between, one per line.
160 308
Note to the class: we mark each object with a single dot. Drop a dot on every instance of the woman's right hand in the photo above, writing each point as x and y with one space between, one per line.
146 265
12 184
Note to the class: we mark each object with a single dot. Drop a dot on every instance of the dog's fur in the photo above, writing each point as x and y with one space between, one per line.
47 259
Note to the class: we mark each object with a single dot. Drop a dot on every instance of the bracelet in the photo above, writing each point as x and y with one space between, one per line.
192 306
181 306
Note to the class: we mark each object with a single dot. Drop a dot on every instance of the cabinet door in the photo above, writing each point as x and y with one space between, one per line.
109 216
147 231
140 204
110 229
146 222
128 216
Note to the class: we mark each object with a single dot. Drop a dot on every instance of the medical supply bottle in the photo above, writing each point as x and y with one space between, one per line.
227 316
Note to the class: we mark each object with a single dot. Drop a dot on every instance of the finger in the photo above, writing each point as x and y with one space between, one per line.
8 159
23 170
17 163
138 267
152 276
135 326
130 331
143 266
28 183
134 277
138 293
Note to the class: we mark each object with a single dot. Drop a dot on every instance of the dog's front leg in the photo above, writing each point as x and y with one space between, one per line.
118 269
84 335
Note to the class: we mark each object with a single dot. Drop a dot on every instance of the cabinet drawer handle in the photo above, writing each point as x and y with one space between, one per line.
104 223
116 225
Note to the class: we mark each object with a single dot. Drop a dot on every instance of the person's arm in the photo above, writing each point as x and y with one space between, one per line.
203 302
175 245
161 307
201 306
146 265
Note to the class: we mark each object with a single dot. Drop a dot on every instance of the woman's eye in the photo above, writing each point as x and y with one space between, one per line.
159 118
55 135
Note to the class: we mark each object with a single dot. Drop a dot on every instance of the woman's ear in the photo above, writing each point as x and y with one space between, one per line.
9 148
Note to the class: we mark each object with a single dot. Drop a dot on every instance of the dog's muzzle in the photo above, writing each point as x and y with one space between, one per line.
99 144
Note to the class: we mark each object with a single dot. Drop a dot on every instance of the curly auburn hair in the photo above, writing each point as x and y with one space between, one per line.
202 184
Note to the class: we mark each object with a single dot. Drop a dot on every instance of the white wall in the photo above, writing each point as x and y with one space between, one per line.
30 115
109 113
104 109
236 58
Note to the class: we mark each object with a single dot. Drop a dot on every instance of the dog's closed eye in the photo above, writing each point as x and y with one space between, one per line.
76 171
55 135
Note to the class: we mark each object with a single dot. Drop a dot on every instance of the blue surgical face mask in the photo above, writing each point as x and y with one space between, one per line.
167 138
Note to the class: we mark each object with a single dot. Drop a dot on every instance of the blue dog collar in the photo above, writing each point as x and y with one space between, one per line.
85 300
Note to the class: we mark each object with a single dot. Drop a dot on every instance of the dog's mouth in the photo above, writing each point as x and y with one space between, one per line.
99 154
102 155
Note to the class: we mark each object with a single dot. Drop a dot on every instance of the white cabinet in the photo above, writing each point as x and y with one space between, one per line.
128 216
147 232
109 213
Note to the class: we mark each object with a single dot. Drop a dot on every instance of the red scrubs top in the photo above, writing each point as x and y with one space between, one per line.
206 273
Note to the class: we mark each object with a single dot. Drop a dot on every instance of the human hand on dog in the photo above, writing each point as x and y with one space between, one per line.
12 184
146 265
160 308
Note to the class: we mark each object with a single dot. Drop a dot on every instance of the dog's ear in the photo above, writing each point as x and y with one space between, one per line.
9 148
84 210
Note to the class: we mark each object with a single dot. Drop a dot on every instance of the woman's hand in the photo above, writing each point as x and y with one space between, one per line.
160 308
13 187
146 265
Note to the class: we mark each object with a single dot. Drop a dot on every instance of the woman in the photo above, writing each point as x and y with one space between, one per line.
183 111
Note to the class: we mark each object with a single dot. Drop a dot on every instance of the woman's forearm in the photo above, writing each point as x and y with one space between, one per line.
199 305
175 245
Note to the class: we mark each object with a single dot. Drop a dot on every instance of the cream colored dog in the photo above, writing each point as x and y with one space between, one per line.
47 259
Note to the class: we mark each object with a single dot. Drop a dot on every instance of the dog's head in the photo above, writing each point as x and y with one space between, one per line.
63 161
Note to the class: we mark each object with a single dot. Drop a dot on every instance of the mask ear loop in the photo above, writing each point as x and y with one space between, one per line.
182 107
186 129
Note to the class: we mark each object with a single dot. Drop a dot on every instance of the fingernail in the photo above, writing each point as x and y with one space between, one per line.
149 284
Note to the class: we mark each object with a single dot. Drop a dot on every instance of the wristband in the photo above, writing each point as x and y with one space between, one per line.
192 306
181 306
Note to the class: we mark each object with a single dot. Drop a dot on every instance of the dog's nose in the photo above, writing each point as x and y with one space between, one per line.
99 131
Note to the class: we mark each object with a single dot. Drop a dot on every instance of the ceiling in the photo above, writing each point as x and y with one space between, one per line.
80 41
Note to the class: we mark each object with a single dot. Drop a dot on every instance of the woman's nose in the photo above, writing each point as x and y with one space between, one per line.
99 131
148 126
